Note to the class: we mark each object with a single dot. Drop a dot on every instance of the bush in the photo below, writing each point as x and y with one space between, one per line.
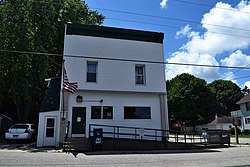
246 132
232 131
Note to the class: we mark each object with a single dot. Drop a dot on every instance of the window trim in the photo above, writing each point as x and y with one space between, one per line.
140 75
102 113
96 70
247 120
50 129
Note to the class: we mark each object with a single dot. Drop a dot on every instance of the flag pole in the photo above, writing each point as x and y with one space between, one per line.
63 73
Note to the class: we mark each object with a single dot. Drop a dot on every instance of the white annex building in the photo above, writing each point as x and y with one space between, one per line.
121 82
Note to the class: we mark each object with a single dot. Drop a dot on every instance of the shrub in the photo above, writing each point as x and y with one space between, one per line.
246 132
232 131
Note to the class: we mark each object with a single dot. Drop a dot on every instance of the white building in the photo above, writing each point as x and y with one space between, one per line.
242 116
216 122
121 82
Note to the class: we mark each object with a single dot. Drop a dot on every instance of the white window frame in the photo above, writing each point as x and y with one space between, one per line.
90 72
102 109
143 75
247 120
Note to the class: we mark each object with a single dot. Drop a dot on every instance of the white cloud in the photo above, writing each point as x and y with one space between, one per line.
235 24
202 48
186 31
246 84
221 26
201 72
229 76
236 59
164 3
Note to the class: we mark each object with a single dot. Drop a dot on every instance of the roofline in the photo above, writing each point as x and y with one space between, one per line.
245 99
111 32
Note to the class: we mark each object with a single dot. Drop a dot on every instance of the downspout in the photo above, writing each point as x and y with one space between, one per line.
164 115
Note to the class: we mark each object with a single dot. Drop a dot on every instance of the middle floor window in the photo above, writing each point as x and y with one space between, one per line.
140 75
91 71
101 112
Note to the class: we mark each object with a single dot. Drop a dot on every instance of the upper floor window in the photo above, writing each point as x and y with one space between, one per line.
137 113
248 106
140 74
101 112
91 71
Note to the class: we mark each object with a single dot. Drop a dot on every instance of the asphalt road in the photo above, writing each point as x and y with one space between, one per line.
25 156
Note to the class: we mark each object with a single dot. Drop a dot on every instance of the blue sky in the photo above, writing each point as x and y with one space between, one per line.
196 32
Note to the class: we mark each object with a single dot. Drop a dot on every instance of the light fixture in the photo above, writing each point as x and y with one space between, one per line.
79 99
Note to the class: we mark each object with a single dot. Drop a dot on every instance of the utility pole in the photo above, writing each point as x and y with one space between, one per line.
235 122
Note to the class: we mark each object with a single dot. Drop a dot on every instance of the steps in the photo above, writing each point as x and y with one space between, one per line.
77 145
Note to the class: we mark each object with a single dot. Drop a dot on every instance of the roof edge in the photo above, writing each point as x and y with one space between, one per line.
112 32
244 99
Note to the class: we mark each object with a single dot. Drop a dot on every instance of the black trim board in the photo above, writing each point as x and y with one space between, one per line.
117 33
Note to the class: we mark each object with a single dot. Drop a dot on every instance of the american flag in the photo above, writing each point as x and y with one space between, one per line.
69 86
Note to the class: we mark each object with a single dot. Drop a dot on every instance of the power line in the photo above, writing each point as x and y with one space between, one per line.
124 60
182 1
32 53
175 27
234 72
170 18
202 4
248 76
204 65
194 3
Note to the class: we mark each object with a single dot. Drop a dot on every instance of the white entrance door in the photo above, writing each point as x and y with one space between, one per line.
50 131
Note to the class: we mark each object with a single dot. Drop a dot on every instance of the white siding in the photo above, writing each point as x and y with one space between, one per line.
118 101
245 114
114 75
244 111
42 126
116 79
246 125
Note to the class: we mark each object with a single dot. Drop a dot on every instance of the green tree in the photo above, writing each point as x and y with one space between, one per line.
34 26
189 98
227 95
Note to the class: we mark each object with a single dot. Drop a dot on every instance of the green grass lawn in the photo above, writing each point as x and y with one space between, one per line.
241 136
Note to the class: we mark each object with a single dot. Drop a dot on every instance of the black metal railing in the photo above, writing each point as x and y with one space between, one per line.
124 132
66 135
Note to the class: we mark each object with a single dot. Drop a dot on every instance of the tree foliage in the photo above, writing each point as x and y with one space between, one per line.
34 26
227 95
189 98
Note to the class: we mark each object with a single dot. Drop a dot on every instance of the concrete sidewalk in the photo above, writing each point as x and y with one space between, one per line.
29 147
243 141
